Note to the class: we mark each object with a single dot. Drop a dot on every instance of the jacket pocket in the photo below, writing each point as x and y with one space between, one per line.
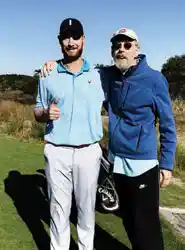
147 141
126 138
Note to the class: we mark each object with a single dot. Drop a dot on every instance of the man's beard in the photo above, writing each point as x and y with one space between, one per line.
121 64
69 59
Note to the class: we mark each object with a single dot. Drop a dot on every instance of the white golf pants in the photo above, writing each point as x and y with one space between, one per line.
69 169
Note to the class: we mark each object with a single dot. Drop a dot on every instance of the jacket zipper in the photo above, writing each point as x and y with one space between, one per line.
113 134
125 95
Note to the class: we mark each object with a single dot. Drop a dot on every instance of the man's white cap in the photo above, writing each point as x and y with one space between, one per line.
125 32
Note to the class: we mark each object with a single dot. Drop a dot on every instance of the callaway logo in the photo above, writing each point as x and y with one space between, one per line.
107 193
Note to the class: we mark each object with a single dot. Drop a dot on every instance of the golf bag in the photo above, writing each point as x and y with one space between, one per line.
108 198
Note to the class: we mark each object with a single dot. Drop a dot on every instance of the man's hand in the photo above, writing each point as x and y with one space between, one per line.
165 177
54 111
47 68
51 113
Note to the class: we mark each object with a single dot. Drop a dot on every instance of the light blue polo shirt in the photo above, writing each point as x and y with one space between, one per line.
80 97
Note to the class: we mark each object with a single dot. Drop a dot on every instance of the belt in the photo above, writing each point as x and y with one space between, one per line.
69 146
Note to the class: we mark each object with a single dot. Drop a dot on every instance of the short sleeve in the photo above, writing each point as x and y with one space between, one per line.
42 95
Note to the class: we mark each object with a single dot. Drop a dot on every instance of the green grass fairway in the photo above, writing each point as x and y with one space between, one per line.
23 211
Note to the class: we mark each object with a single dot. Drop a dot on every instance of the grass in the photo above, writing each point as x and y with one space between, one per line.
20 202
173 196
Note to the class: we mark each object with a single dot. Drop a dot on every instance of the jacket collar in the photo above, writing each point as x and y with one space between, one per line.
136 69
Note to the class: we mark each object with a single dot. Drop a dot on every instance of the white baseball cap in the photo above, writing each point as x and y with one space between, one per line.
125 32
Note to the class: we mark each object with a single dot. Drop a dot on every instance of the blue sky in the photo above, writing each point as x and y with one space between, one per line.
29 30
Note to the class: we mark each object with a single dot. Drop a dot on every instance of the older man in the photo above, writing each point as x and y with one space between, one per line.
66 102
138 97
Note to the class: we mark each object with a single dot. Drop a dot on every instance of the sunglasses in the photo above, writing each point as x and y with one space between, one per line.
126 45
68 35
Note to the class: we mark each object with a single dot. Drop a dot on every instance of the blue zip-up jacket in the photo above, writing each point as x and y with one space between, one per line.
136 100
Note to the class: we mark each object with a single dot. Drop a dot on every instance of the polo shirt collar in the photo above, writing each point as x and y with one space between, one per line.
62 69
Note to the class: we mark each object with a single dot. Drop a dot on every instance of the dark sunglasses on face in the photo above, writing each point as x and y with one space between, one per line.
117 45
68 35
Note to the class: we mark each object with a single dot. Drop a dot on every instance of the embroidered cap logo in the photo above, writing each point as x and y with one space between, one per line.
123 30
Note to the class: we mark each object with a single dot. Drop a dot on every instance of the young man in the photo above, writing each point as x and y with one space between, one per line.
138 96
69 101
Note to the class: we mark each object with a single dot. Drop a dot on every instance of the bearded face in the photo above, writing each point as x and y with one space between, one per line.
124 53
72 46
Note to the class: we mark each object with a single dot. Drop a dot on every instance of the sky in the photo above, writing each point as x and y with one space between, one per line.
29 30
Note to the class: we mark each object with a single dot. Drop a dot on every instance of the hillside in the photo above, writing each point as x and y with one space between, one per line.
19 88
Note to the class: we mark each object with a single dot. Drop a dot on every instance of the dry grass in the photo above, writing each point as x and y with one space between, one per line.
179 107
179 113
18 119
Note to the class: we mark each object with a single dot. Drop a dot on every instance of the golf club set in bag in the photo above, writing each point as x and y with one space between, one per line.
107 195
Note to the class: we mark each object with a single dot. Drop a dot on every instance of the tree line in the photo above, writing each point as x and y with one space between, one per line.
20 88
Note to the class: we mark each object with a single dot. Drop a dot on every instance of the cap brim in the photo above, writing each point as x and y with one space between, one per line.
72 31
116 37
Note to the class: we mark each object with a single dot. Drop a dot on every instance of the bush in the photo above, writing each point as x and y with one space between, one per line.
17 96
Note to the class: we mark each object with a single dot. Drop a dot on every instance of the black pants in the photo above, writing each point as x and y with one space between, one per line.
139 209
